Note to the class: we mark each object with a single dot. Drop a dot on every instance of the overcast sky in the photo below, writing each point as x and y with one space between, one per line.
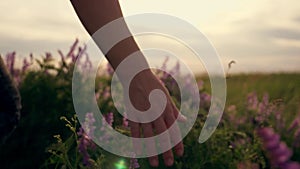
260 35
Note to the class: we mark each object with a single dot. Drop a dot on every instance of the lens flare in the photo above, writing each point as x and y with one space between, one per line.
120 165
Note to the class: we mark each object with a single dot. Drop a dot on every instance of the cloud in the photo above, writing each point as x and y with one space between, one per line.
24 46
282 33
297 19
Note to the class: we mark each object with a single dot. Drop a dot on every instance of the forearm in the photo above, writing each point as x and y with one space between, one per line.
94 14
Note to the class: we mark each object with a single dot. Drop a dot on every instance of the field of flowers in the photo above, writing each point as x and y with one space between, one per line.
260 127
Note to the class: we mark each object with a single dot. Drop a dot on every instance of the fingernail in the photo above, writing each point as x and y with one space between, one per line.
169 162
182 118
154 162
180 152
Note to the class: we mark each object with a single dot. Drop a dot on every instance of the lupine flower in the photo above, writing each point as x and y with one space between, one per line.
295 124
106 93
264 109
85 134
164 64
279 154
97 95
26 63
110 118
48 57
109 70
62 57
88 125
205 100
176 69
16 72
231 113
200 84
83 144
263 106
10 62
25 66
125 121
87 65
134 163
231 109
72 51
252 101
297 138
291 165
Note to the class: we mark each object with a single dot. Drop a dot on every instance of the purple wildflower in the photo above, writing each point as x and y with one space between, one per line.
110 118
26 63
83 144
10 62
176 69
72 50
16 72
231 109
291 165
263 106
134 163
85 134
295 124
200 84
125 121
97 95
205 100
297 138
109 70
106 93
263 109
278 152
81 52
252 101
87 64
62 56
164 65
88 125
48 57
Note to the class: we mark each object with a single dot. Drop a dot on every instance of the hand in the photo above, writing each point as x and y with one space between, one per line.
139 90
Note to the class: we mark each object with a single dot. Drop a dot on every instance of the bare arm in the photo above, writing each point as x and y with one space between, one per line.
94 14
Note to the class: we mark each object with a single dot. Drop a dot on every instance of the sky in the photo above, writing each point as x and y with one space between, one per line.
260 35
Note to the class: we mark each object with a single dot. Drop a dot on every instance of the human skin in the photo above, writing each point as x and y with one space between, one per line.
94 14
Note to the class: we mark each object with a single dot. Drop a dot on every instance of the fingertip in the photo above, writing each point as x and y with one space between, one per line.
169 161
168 158
178 115
179 152
154 161
182 118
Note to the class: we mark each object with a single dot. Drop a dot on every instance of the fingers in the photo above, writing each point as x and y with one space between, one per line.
175 134
135 133
150 144
181 117
164 141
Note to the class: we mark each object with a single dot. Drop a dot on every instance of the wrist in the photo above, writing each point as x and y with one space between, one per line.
134 66
142 78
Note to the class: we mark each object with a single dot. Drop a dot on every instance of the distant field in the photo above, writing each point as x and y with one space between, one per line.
283 86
